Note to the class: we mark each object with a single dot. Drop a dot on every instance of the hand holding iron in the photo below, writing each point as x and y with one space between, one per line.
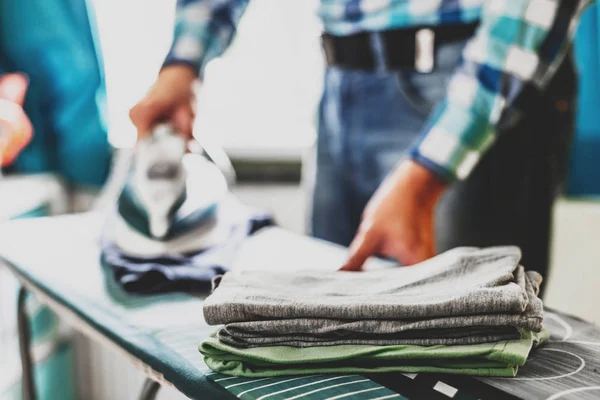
170 99
15 128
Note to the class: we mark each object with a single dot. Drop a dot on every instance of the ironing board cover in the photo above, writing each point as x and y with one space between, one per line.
60 257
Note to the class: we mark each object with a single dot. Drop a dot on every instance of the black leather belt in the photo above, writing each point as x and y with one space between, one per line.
407 48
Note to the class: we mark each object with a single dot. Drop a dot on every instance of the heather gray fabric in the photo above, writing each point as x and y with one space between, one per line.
434 337
468 329
465 296
463 281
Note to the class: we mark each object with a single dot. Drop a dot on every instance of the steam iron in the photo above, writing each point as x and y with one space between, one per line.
169 202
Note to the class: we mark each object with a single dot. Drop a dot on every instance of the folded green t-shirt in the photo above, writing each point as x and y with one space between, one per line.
487 359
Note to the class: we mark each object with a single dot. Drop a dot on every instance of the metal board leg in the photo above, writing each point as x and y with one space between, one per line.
149 390
28 384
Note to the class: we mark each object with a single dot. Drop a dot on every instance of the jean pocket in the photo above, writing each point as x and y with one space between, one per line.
423 91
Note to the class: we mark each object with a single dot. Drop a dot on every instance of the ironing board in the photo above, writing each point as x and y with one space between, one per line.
57 259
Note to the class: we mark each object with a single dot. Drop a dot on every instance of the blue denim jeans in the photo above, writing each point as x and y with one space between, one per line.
368 122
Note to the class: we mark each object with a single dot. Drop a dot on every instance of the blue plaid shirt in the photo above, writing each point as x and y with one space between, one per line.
518 46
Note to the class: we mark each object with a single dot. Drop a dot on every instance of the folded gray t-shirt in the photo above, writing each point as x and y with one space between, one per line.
463 281
465 329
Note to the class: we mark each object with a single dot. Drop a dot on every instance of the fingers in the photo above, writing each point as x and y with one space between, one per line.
13 87
183 120
365 244
408 251
158 107
409 242
408 257
146 114
170 99
409 248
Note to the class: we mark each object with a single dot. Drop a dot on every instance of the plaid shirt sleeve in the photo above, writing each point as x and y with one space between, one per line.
518 46
203 30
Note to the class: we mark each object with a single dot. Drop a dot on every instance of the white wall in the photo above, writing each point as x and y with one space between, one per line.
574 281
260 96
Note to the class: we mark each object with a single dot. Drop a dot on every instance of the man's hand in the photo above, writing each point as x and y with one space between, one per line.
15 128
170 99
398 220
13 87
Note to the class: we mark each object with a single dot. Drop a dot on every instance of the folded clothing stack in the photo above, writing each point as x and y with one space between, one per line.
469 310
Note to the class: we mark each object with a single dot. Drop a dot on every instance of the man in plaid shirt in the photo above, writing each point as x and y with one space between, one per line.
421 97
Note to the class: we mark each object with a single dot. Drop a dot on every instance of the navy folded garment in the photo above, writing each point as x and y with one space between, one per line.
189 272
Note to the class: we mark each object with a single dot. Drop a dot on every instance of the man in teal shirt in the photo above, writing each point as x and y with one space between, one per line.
421 97
53 43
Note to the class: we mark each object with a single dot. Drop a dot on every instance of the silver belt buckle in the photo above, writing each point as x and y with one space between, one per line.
424 50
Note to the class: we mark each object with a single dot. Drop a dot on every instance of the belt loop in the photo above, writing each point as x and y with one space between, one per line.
378 46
